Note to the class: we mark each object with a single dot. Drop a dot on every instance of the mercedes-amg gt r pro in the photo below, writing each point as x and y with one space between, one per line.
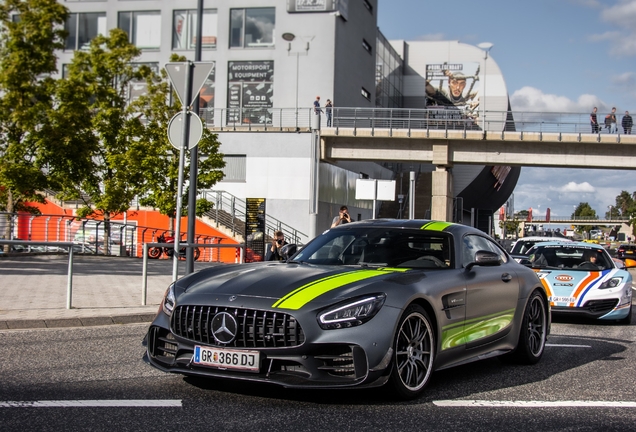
364 304
582 279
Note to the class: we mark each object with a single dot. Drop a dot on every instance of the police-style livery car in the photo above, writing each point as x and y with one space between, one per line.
364 304
582 279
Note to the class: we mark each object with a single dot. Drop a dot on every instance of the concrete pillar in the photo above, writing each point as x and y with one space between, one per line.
442 191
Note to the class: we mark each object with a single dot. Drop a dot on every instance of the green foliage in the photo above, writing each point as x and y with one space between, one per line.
583 210
27 58
163 158
93 99
626 208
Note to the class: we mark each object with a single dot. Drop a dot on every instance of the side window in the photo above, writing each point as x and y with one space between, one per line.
474 243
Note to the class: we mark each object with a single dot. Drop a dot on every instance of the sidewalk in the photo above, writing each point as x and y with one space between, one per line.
106 290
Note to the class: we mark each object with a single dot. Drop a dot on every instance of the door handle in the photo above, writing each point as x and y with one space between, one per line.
506 277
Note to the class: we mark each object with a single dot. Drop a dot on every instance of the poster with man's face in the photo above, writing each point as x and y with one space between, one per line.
454 84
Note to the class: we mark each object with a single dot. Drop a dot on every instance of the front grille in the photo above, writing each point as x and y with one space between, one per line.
600 306
162 346
256 328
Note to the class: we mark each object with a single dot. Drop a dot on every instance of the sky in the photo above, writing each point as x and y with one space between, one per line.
555 56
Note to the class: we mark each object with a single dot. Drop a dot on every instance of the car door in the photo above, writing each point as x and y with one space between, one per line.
492 293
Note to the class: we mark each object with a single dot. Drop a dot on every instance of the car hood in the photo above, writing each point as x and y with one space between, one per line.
286 286
571 285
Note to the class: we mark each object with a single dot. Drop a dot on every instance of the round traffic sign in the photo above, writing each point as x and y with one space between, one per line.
175 130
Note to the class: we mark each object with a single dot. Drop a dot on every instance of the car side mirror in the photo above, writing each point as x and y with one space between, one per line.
629 263
288 250
484 258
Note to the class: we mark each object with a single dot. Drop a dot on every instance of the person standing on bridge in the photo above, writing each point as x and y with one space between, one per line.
594 121
612 121
627 123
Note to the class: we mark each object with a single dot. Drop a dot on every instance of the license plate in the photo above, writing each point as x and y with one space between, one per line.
629 252
223 358
561 299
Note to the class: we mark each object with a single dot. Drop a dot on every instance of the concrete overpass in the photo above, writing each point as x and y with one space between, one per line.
426 136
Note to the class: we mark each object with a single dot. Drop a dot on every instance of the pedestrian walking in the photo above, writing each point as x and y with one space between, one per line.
594 121
612 121
627 123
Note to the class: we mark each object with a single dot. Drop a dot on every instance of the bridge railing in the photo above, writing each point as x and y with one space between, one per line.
432 118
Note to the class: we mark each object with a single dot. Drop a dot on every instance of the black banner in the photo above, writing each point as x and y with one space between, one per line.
255 229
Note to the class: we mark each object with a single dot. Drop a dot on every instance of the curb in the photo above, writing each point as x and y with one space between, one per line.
76 322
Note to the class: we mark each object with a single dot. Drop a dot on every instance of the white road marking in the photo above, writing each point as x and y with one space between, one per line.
534 404
568 345
92 403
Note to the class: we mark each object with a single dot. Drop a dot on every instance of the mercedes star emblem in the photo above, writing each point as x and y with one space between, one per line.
224 327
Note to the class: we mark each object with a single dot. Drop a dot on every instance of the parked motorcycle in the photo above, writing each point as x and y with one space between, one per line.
156 252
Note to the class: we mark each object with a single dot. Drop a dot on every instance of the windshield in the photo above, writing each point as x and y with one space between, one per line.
379 247
568 257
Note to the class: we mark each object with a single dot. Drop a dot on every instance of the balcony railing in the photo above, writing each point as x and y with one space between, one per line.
433 118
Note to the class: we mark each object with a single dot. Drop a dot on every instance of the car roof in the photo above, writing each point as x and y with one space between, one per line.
572 244
424 224
543 238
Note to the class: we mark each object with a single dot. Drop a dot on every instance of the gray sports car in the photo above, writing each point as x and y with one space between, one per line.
364 304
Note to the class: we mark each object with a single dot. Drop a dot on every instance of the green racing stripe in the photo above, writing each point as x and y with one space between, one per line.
306 293
470 330
436 226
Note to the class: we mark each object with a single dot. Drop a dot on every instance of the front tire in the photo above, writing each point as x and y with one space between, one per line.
154 252
534 332
628 319
414 352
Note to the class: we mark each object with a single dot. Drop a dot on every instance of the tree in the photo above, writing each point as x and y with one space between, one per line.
164 158
584 211
95 96
30 33
626 207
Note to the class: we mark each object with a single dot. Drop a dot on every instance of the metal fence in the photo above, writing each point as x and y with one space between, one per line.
432 118
88 236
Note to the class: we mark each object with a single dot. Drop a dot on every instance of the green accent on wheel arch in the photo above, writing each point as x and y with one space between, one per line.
471 330
436 226
306 293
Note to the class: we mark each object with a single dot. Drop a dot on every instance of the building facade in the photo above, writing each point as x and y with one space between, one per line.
282 54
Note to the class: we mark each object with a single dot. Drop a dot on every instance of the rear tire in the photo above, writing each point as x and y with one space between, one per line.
414 352
154 252
534 332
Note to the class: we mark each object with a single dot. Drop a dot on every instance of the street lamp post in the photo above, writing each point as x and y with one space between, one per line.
485 47
610 211
289 37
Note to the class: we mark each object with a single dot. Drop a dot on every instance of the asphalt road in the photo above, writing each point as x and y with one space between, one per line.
93 378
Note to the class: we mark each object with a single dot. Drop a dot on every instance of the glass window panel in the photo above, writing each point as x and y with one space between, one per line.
236 28
71 28
209 31
124 22
147 30
88 27
259 26
180 25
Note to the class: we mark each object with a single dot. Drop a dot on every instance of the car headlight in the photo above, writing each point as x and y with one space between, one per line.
352 313
611 283
168 300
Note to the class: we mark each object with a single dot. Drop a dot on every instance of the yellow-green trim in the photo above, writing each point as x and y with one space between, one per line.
470 330
436 226
306 293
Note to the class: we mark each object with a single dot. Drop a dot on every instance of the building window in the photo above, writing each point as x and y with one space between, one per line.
252 27
143 28
368 5
234 170
365 93
366 46
184 29
82 27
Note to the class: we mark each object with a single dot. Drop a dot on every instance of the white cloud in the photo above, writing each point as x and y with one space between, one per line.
530 99
627 78
573 187
622 41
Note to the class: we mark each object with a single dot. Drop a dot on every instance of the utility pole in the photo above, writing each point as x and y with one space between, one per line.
194 156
